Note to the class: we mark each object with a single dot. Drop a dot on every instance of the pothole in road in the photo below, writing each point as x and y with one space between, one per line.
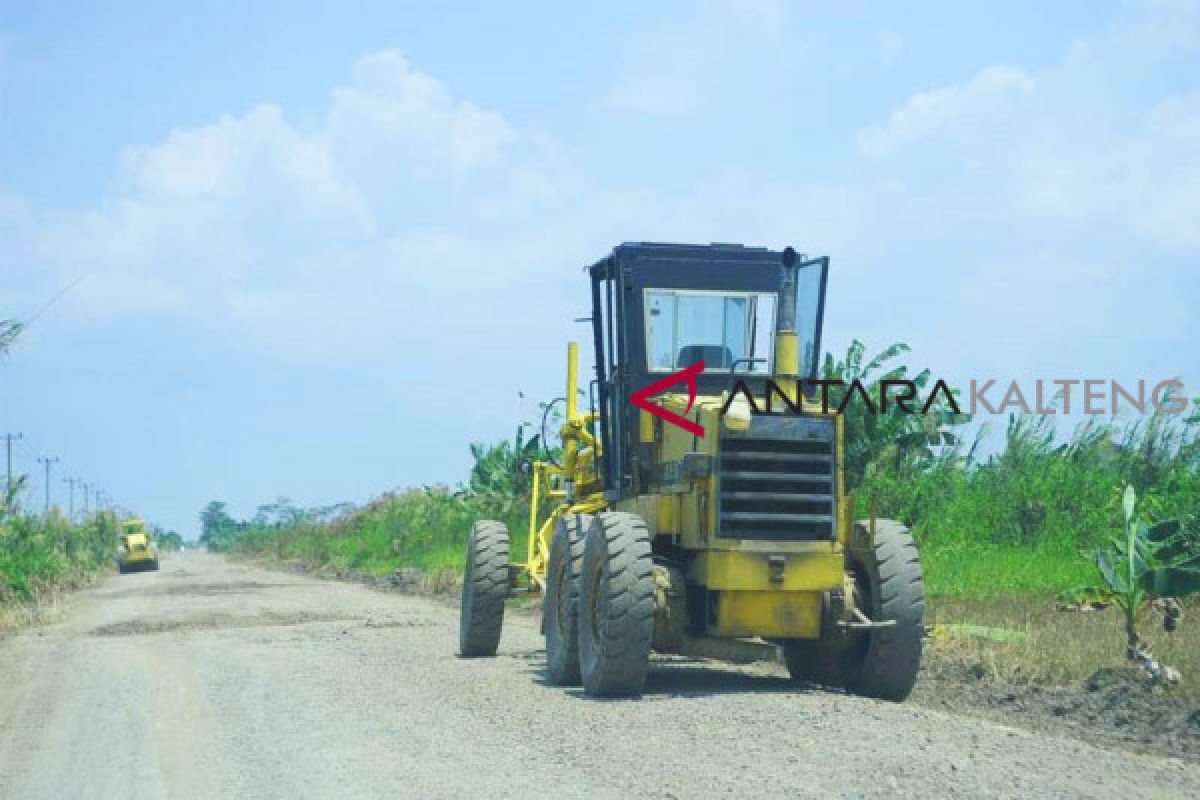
150 625
201 589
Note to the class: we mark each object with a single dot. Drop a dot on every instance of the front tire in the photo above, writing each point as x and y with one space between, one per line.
616 606
879 662
485 587
560 611
883 662
813 661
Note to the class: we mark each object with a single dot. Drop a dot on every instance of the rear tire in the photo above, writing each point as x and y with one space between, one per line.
560 610
154 565
616 606
485 587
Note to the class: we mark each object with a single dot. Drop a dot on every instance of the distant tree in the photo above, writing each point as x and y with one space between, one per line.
10 329
497 469
280 514
216 526
167 540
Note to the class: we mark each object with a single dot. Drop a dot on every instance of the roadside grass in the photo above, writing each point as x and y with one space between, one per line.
42 555
977 592
46 605
983 571
1054 648
421 529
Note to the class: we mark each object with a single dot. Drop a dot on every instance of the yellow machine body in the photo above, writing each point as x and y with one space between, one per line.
137 547
698 505
766 589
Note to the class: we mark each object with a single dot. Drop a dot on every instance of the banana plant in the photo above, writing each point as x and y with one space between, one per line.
1143 565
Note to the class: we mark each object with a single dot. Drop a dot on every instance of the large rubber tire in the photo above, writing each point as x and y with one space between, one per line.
813 661
560 611
154 565
883 663
484 589
616 606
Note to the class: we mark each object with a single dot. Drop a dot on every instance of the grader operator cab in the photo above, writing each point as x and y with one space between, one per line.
702 525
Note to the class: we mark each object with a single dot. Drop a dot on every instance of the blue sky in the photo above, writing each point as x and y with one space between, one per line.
316 253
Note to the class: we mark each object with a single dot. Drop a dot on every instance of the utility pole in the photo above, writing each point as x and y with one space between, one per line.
9 438
86 486
47 461
70 482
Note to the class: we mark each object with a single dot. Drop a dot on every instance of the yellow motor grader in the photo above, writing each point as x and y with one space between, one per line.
714 515
136 550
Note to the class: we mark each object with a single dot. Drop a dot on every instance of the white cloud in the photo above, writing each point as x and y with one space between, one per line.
1148 181
250 215
1092 140
949 109
416 115
237 158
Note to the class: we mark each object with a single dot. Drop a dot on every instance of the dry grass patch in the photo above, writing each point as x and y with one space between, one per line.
1056 648
43 607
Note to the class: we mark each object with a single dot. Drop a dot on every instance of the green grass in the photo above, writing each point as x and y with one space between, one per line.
39 554
985 571
1022 522
422 529
427 530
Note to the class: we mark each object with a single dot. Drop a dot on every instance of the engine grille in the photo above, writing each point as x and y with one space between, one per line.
777 481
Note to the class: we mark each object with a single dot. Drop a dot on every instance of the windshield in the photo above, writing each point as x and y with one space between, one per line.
722 329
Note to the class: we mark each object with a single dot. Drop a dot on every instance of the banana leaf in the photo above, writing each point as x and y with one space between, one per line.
1107 561
979 632
1171 581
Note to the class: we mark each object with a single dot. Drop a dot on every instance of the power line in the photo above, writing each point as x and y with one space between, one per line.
9 438
47 462
71 502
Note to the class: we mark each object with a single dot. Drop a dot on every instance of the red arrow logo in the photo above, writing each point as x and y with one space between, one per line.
641 398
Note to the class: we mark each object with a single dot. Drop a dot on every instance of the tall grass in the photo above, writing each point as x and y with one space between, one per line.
1027 518
418 528
1021 522
40 554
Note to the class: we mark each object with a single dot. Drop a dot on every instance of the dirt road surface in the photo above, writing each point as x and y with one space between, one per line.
217 679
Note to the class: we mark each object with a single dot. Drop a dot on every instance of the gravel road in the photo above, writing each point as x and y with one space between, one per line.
217 679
